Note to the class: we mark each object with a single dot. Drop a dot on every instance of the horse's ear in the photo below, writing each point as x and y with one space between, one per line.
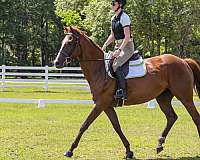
71 28
75 30
84 32
66 29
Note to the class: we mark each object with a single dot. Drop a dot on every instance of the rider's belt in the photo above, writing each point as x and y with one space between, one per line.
121 40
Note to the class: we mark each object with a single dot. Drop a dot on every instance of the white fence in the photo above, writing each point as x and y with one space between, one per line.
49 77
46 76
41 103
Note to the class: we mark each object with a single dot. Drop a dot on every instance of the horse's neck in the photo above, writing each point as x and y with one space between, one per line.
94 71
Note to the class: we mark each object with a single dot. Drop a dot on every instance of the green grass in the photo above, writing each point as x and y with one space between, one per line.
39 93
33 93
41 84
29 133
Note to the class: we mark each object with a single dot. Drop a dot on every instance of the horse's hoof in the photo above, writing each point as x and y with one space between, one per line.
129 155
68 154
159 149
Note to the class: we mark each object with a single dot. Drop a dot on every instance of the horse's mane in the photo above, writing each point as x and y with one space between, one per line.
83 33
96 45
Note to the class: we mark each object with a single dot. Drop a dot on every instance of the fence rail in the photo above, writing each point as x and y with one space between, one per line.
41 103
46 75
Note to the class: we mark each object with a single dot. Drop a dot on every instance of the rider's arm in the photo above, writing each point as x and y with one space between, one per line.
110 39
127 37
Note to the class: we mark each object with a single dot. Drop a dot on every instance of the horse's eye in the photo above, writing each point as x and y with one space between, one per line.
70 39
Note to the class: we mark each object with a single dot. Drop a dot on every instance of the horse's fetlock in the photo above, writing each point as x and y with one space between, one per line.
74 145
161 140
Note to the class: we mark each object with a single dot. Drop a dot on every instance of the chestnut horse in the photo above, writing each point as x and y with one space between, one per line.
167 76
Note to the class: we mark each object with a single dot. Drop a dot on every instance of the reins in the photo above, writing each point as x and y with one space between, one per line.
88 60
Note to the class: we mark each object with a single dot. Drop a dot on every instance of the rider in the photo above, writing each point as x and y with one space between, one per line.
124 48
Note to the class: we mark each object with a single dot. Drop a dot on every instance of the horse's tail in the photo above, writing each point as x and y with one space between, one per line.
196 72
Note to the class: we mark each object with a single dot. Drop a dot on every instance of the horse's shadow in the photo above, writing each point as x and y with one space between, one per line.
169 158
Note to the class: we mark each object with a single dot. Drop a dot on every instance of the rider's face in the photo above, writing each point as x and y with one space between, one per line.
115 5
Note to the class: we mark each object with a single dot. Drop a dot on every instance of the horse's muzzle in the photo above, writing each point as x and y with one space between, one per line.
68 60
58 65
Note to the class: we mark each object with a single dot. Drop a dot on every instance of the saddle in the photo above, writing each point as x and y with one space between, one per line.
134 67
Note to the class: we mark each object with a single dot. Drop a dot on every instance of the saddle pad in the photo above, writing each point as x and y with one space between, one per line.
137 68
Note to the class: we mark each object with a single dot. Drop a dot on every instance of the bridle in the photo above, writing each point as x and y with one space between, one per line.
73 47
74 44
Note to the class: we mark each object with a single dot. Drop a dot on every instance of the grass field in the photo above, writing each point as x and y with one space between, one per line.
29 133
39 93
34 93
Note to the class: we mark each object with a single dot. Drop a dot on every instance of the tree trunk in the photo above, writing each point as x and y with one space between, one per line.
158 32
158 43
2 52
166 45
46 42
33 57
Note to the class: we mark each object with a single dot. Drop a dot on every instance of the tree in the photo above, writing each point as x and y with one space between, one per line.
30 32
98 20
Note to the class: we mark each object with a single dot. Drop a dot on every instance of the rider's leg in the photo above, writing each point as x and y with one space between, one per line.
122 84
118 62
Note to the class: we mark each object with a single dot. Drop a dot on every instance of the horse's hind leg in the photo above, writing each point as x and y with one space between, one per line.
189 105
184 93
182 89
164 101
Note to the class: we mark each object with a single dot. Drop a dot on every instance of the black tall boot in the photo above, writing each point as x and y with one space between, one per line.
122 89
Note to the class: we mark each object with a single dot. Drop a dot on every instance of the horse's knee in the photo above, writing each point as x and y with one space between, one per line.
172 118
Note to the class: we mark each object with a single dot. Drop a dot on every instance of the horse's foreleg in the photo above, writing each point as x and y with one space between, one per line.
110 112
91 117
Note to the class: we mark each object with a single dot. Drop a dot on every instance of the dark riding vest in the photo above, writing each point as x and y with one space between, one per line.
117 27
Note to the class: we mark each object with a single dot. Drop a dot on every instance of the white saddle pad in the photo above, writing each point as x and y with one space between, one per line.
137 68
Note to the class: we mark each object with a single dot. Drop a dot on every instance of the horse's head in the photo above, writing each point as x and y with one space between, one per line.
69 48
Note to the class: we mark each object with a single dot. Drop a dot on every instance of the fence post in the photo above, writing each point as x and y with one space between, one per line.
151 104
3 76
46 78
41 103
